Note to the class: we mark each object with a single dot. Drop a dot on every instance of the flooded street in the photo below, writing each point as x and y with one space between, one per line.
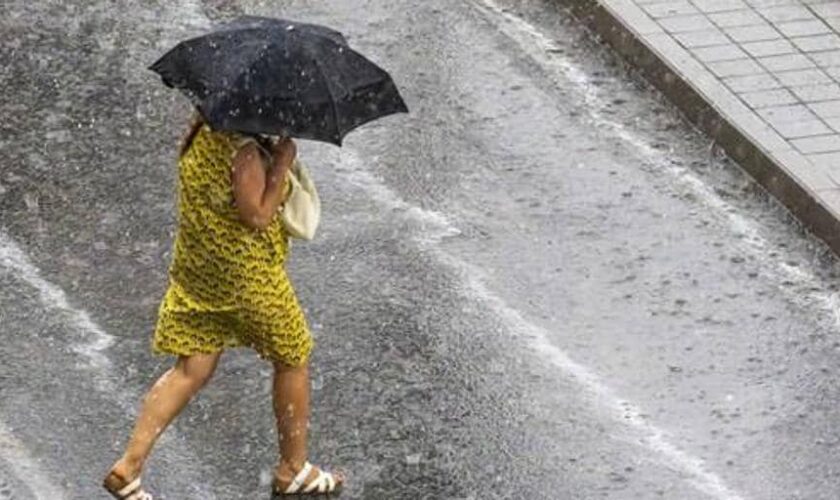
539 284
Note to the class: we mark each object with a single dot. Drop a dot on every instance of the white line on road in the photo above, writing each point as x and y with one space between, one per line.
90 344
96 340
25 468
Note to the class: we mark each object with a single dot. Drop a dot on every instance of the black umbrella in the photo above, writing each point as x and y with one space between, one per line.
260 75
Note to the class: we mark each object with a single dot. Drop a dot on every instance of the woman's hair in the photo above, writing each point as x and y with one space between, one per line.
196 123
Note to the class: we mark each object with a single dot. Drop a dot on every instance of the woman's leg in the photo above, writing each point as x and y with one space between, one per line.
164 401
291 409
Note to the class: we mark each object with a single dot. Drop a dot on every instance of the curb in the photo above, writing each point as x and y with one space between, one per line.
787 184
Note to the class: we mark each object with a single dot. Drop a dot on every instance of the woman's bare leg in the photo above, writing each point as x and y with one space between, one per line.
291 409
164 401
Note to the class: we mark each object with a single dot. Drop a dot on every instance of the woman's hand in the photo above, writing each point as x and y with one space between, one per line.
284 152
258 192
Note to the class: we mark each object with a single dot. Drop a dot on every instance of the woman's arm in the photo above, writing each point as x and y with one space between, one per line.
257 191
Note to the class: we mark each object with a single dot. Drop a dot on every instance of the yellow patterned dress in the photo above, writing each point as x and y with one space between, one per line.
227 282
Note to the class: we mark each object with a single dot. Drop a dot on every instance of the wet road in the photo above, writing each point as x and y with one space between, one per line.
540 284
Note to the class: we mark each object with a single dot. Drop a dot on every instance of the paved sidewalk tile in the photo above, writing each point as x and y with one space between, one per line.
817 43
826 9
804 128
786 62
833 22
802 77
793 112
707 38
771 70
769 48
668 9
719 5
767 98
828 109
803 28
819 144
833 72
816 93
744 17
826 59
834 123
735 68
786 13
756 33
716 53
752 83
682 24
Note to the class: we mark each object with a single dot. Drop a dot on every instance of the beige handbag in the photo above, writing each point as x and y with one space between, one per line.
301 212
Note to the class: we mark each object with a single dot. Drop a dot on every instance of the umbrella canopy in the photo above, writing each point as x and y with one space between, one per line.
261 75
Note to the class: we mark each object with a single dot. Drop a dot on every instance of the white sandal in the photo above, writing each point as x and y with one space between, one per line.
132 491
323 484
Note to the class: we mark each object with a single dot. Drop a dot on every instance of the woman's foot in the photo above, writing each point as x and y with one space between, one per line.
123 473
287 473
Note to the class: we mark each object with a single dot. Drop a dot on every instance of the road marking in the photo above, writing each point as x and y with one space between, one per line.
542 50
26 468
90 345
94 341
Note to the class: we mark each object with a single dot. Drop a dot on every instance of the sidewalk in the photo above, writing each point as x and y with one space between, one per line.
762 77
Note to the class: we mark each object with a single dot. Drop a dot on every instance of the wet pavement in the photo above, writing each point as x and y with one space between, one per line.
540 284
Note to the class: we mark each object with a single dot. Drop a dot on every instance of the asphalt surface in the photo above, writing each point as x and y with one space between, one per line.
540 284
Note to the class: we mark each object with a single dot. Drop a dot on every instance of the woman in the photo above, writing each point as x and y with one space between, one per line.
227 288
